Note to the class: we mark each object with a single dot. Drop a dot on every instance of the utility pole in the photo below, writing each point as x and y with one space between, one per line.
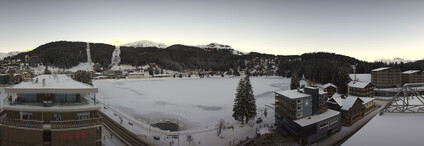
178 131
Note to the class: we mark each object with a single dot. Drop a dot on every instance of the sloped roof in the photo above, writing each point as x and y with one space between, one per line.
338 100
358 84
366 99
380 69
328 85
348 102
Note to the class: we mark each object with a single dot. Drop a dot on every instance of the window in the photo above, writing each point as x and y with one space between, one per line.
323 125
299 115
57 117
26 116
83 116
334 121
299 108
299 101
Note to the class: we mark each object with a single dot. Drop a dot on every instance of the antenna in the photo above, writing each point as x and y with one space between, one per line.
354 72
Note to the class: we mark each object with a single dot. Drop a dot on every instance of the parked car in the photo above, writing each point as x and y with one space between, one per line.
156 137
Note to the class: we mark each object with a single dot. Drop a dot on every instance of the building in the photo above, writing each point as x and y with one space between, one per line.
360 89
350 108
4 79
134 75
368 105
52 110
330 89
412 76
386 77
294 115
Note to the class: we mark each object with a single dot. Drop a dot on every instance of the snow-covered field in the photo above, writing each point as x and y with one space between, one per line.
197 103
390 129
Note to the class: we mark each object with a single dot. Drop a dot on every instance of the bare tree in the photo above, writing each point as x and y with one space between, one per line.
220 127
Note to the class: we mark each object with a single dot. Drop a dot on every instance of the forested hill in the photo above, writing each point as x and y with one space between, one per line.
65 54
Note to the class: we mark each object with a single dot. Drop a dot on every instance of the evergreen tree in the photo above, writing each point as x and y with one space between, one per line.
294 83
342 79
83 76
244 103
250 100
265 112
238 110
46 70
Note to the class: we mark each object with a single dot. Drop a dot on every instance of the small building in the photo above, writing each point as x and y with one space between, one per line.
264 133
386 77
303 115
360 89
368 105
330 89
134 75
350 108
412 76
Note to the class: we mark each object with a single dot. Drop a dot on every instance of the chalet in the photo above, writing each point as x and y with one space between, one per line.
412 76
360 89
330 89
368 105
386 77
301 114
350 108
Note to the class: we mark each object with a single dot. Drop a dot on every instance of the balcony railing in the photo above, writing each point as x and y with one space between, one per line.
22 123
75 123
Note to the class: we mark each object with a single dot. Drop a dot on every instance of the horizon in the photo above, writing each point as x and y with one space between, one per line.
365 30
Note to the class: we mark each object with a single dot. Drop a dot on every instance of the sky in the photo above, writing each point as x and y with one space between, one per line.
364 29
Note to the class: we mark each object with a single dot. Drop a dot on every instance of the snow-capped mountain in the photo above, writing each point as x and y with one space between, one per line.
220 46
4 55
145 43
394 60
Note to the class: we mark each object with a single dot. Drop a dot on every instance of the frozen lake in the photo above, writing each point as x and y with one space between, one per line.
197 103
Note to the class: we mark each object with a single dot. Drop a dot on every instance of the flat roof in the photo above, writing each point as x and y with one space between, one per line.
410 71
293 94
380 69
60 84
88 104
316 118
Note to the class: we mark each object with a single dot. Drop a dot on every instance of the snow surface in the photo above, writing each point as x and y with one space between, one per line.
390 129
220 46
4 55
357 84
143 97
361 77
198 103
145 43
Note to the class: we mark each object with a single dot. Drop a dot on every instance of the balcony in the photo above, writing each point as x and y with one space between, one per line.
22 123
53 124
75 123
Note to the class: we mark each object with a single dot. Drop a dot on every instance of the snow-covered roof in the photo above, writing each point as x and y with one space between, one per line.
264 130
328 85
317 118
61 84
338 100
380 69
292 94
366 99
348 102
357 84
410 71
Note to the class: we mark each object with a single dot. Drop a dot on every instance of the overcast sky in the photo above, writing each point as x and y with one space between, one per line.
364 29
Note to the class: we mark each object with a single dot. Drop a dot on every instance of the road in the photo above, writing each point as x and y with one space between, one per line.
125 136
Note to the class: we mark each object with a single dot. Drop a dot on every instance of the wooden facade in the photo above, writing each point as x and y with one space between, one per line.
386 77
412 76
362 90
